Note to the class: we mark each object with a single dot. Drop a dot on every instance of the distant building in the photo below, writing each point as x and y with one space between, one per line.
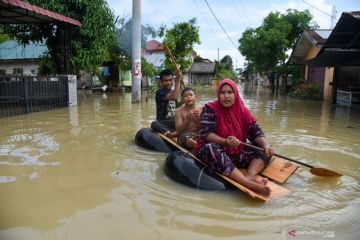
17 59
307 47
201 73
332 57
154 53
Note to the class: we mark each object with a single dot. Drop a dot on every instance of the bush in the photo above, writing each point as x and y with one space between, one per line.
307 91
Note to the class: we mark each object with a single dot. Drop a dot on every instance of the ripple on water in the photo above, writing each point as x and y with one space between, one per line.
7 179
26 149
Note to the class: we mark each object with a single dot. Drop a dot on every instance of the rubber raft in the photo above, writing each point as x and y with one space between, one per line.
179 166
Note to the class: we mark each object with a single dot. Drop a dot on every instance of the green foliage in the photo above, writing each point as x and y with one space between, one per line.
198 59
89 43
3 37
147 69
46 65
224 68
307 91
180 40
265 47
124 36
223 73
228 63
120 49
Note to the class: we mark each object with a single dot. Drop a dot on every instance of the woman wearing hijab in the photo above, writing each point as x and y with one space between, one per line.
225 123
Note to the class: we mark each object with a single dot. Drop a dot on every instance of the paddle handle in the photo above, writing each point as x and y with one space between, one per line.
278 155
172 59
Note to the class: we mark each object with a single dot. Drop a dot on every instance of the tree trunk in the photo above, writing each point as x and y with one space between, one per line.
271 77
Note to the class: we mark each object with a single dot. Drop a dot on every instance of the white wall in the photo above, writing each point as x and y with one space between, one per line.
29 69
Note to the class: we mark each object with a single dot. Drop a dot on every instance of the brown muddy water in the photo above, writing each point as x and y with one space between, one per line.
76 173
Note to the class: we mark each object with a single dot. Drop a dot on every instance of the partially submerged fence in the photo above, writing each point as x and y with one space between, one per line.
347 98
26 94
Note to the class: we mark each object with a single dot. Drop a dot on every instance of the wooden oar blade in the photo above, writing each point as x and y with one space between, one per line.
323 172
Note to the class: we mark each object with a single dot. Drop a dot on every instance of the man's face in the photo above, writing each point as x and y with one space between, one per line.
167 81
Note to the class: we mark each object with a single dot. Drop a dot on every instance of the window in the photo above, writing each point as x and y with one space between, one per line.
2 71
18 71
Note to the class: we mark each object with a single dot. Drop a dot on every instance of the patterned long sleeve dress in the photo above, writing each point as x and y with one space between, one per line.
214 155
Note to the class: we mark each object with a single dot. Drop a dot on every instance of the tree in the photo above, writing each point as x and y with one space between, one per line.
89 43
124 36
222 71
228 63
180 40
266 46
198 59
147 69
3 37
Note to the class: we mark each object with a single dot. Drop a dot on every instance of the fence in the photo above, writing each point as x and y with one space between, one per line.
347 98
27 94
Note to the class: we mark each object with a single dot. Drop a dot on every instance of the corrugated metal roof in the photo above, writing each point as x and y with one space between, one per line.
12 50
17 11
202 68
342 48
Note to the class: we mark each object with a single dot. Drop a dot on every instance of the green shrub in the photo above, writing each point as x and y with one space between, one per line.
307 91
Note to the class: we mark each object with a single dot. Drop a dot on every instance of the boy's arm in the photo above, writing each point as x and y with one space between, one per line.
178 125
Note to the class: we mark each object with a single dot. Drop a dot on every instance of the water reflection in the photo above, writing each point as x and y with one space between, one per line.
76 173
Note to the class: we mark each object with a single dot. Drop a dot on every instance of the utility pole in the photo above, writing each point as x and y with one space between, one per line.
218 55
333 17
136 52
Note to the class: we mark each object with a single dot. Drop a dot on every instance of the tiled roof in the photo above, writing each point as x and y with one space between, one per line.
154 45
17 11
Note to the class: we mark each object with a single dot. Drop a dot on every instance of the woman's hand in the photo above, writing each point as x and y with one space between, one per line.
269 152
232 141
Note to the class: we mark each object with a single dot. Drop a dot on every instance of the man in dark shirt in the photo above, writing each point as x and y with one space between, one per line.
166 99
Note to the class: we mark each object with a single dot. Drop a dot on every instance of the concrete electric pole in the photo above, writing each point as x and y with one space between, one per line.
136 52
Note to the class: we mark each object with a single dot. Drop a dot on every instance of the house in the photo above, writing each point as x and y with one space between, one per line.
307 47
17 59
334 60
341 52
154 53
201 73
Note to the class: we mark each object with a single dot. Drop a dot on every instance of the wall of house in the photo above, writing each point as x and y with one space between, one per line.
314 50
201 79
323 76
28 68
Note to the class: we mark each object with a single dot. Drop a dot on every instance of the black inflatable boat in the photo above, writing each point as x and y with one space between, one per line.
179 166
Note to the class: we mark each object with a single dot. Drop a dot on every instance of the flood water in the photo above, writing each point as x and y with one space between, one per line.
76 173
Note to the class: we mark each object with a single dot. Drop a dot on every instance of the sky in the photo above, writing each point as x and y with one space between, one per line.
235 16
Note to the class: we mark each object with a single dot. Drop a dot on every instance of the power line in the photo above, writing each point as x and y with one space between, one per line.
317 9
157 10
212 30
220 24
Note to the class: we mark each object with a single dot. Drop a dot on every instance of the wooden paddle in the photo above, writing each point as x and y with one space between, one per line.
314 170
276 190
172 59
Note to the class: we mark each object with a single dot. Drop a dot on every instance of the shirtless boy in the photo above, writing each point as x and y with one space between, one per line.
187 120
